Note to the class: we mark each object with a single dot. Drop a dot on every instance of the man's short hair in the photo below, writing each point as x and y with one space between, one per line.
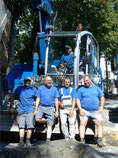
67 79
87 76
67 46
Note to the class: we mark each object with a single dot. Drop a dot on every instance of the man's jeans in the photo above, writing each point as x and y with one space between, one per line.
67 123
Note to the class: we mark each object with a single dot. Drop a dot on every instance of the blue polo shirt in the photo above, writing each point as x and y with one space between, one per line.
89 97
66 93
67 58
47 95
26 98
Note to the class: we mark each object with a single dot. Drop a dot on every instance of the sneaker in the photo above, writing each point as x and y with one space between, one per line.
28 143
100 142
82 141
21 144
48 139
67 138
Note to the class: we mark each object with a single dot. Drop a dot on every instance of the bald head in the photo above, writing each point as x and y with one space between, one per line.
48 81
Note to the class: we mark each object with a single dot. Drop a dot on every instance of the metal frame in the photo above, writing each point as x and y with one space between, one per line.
78 36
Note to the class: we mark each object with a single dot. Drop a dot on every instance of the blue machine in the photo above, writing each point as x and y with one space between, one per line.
47 58
48 52
100 82
44 9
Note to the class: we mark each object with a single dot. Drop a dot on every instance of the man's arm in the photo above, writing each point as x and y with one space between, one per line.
72 108
101 104
57 107
82 112
61 65
36 105
11 103
62 62
61 104
80 63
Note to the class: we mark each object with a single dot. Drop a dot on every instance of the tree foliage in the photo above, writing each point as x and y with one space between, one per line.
17 9
26 38
99 17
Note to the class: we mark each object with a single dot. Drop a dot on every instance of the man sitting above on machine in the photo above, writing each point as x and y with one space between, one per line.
67 59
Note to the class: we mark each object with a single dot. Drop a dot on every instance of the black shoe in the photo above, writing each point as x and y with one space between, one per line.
21 144
28 143
48 139
100 142
82 141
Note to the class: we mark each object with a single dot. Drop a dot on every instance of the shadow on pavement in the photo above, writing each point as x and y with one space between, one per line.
113 115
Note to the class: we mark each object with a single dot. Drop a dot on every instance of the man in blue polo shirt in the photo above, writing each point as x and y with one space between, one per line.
26 95
68 58
46 103
67 110
88 98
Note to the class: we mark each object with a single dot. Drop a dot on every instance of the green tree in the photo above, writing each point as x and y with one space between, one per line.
99 17
17 9
26 37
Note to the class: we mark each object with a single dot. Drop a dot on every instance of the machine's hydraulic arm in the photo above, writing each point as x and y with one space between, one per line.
44 9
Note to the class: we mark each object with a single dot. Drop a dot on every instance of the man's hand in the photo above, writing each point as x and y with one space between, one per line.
82 112
71 113
36 105
62 105
100 111
56 114
35 112
102 105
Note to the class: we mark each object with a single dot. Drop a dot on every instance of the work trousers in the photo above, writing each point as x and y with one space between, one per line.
67 123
